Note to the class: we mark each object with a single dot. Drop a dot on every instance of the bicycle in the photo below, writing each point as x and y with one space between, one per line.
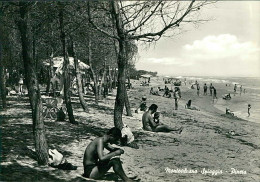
50 108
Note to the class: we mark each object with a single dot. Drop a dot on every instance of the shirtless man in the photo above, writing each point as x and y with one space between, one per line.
96 163
150 125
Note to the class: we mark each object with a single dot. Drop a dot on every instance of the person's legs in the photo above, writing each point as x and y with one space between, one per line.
176 104
102 168
118 169
166 128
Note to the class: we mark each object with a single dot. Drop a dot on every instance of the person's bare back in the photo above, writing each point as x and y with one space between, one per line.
96 163
150 125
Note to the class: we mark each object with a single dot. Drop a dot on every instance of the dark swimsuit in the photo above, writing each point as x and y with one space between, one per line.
88 169
101 166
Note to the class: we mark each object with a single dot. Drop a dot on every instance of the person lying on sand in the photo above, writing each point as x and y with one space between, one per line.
227 96
96 163
150 125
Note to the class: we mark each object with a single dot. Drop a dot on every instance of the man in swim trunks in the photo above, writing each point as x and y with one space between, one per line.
96 163
150 125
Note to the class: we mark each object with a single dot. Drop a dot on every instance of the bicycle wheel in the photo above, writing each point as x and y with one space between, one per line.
53 113
44 111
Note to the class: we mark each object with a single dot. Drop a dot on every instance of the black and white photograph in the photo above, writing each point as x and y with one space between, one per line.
117 90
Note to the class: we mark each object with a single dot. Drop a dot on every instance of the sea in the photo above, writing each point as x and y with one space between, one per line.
239 101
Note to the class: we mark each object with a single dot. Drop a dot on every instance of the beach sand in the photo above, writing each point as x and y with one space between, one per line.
205 143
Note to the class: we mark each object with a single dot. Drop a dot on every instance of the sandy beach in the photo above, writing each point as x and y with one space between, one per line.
206 150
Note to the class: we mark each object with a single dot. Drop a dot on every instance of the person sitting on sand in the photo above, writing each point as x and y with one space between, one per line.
151 91
229 112
96 163
142 106
188 106
150 125
156 92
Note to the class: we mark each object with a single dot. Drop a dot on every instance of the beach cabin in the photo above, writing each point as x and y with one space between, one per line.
145 79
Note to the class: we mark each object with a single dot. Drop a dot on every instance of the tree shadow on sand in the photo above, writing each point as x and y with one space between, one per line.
17 172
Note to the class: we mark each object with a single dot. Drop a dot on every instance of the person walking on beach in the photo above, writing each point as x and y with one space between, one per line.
176 96
235 88
211 89
241 89
214 94
96 163
198 89
150 125
205 89
248 109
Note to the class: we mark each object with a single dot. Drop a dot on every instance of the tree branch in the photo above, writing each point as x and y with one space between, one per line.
98 28
161 32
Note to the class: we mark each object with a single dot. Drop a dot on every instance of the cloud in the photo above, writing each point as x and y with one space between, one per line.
215 55
220 47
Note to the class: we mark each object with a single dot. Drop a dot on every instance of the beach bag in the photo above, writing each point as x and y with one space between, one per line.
55 157
126 132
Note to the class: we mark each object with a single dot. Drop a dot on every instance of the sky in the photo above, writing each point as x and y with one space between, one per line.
228 45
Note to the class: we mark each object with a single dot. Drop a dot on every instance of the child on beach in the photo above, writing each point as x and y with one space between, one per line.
156 117
248 109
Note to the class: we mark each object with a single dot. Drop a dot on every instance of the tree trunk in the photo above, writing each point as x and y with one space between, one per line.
80 88
31 80
3 82
50 75
2 79
66 69
92 73
120 96
122 61
127 105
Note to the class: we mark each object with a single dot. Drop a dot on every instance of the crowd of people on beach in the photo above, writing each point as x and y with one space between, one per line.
96 162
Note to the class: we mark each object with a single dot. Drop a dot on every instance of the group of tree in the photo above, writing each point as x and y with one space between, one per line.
102 34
